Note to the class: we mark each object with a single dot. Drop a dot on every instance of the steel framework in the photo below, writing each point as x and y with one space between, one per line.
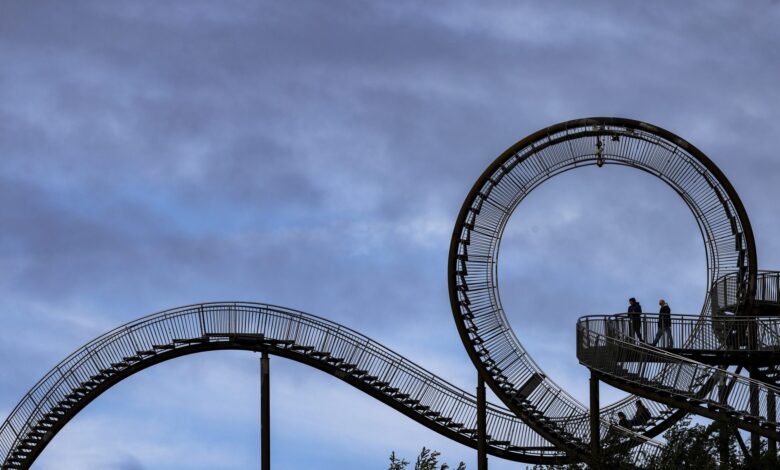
325 345
543 423
473 260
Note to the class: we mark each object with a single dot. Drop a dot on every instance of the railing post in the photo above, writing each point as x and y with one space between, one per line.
595 422
265 412
482 461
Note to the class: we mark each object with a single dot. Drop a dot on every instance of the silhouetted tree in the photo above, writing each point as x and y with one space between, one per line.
396 464
427 460
688 448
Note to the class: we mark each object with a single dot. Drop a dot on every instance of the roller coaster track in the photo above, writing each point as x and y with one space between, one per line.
539 421
330 347
492 345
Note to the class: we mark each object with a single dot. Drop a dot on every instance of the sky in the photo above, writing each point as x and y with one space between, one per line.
315 155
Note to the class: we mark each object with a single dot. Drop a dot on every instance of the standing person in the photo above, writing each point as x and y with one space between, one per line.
642 414
664 324
623 421
635 319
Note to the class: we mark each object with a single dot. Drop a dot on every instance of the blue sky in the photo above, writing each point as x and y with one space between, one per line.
314 155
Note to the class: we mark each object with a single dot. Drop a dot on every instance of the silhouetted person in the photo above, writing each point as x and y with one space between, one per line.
635 319
664 324
623 421
642 414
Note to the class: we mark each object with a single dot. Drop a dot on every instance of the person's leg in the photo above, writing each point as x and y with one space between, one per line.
638 329
658 335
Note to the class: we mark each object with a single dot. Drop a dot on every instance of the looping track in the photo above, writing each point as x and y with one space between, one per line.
543 424
474 294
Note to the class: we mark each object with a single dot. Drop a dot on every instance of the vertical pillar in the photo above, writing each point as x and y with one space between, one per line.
755 439
265 413
723 437
482 461
595 422
771 406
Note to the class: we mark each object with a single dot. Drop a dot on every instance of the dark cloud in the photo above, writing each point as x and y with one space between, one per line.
315 156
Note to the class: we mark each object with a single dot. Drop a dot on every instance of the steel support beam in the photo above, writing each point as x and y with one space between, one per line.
482 461
755 438
595 422
265 413
723 437
771 406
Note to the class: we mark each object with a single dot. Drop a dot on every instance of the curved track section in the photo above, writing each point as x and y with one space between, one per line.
473 285
322 344
604 346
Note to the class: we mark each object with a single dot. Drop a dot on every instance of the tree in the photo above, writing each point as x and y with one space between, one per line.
396 464
689 448
427 460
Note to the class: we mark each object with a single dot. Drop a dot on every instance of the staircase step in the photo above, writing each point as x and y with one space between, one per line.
190 340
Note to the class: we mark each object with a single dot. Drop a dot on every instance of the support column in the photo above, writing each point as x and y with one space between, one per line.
723 437
482 461
265 413
595 422
755 439
771 406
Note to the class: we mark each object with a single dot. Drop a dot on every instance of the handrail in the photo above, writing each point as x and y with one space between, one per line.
725 293
611 353
727 333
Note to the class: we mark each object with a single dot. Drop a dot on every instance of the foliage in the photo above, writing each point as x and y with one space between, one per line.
427 460
696 447
396 464
688 448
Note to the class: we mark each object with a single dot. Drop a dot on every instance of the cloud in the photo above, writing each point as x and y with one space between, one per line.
316 156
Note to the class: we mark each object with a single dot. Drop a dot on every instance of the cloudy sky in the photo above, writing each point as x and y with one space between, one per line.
315 155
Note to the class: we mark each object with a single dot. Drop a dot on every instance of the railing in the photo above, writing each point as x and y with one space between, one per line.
611 353
725 293
440 398
693 332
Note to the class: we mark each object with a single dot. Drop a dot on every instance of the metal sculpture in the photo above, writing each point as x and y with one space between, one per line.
543 424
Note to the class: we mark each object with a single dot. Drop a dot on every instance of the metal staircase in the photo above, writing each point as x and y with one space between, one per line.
681 382
322 344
